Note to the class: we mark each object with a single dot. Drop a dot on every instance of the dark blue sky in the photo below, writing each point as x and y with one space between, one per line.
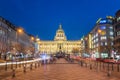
42 17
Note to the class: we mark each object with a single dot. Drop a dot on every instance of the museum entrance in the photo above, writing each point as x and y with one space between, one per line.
60 53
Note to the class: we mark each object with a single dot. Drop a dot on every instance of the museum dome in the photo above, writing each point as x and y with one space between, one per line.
60 35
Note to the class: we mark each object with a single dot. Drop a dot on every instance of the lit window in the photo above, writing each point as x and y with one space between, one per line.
102 27
103 37
105 43
110 27
93 41
96 39
118 19
118 33
96 34
111 33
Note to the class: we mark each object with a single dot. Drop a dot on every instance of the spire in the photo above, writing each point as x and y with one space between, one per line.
60 26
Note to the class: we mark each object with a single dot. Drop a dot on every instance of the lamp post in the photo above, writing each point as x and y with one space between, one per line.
18 31
37 41
32 40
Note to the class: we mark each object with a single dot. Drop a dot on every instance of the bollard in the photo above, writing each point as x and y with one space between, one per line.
90 66
12 65
103 65
46 61
30 66
13 73
19 65
112 67
109 73
118 68
97 68
35 65
100 65
6 67
108 67
86 65
96 63
22 64
24 70
81 63
16 64
38 64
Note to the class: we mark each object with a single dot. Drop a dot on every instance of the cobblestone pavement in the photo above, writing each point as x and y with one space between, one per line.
61 72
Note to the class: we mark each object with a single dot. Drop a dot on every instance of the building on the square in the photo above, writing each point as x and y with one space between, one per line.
102 37
86 45
117 32
59 44
7 35
14 39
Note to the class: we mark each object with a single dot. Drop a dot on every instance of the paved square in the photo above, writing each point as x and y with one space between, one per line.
61 72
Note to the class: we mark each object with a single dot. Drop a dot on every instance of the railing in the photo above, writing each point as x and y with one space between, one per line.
12 68
110 68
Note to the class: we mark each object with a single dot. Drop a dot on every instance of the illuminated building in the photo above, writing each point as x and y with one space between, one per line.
7 35
14 39
117 32
102 37
59 44
86 45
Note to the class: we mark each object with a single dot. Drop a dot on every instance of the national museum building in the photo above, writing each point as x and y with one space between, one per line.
59 44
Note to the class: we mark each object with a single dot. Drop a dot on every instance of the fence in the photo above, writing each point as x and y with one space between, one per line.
11 68
110 68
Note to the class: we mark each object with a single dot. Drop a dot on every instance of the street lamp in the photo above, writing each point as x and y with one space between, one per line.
19 30
37 42
32 47
32 38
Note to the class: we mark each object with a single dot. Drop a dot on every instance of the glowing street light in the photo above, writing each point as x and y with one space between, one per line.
32 38
19 30
99 31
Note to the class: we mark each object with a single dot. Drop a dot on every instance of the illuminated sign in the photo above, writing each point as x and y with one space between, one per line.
103 21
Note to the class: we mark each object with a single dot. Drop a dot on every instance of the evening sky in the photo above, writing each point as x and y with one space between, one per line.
42 17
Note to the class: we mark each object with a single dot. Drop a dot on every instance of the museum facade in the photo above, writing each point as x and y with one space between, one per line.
59 44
